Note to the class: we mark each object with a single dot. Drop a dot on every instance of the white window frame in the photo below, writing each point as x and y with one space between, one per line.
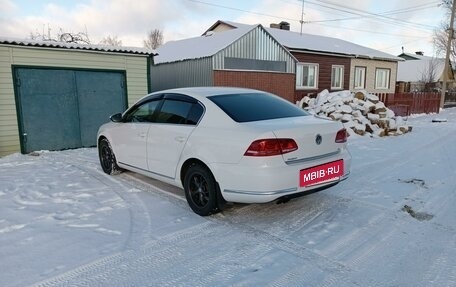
362 83
300 76
382 78
334 68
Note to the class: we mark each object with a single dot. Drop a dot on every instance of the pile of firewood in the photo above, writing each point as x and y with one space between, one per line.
360 113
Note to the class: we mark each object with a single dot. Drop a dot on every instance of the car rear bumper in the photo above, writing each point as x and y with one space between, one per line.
252 183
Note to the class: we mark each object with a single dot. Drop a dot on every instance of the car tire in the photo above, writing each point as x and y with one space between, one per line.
201 190
107 158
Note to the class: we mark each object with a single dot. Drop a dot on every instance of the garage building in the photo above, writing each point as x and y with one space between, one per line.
54 95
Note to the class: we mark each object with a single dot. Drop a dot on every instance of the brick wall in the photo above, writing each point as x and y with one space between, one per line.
281 84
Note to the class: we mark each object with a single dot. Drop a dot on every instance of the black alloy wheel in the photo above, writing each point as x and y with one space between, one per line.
107 158
201 190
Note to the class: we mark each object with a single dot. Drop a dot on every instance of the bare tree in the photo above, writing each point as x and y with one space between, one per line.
440 37
154 39
111 41
440 40
61 36
429 74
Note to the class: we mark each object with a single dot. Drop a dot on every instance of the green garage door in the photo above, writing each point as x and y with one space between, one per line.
61 109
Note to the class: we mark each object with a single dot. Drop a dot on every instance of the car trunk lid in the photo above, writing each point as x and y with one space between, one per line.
315 137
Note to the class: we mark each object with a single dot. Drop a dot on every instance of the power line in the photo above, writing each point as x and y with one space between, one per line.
368 31
363 13
392 12
374 16
242 10
297 20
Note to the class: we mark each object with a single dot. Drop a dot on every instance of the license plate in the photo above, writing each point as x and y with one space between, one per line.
322 173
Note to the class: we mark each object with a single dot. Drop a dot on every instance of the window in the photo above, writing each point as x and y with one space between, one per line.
195 114
256 107
174 112
143 113
337 77
382 78
360 77
307 76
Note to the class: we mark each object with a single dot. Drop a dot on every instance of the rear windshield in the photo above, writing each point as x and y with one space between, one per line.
252 107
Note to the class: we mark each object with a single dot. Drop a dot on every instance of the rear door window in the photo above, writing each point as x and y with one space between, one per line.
179 112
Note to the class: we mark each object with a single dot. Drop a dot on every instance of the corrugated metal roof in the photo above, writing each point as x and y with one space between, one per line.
322 44
63 45
199 47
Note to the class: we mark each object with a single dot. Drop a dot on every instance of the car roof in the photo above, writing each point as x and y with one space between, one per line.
204 92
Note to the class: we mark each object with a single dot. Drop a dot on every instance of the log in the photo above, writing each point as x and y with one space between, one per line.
345 109
369 106
374 118
392 124
360 129
346 118
361 95
357 114
380 107
335 116
373 98
380 132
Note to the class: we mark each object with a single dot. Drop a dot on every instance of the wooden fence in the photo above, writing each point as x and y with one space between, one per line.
405 104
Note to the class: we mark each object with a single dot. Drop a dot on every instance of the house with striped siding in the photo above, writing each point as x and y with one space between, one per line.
246 57
329 63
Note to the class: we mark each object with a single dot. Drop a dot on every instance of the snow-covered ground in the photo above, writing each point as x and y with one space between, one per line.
392 223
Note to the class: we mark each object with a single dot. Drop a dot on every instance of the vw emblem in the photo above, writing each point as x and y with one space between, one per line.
318 139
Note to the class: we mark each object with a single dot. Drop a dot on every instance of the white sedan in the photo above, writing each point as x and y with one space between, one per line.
226 144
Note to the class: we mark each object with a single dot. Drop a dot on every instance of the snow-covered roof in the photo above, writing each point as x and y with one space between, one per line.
320 44
199 47
413 70
225 23
317 43
412 56
63 45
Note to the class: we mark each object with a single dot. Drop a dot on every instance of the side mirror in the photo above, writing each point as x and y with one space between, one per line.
116 118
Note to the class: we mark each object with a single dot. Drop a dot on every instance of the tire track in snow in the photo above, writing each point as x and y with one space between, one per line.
440 271
154 264
339 271
89 274
139 221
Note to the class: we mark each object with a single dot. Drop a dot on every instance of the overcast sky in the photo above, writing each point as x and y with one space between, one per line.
371 23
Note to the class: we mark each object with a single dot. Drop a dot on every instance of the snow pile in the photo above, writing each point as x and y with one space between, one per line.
360 112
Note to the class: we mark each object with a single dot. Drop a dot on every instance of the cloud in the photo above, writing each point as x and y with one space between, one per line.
130 21
8 7
178 19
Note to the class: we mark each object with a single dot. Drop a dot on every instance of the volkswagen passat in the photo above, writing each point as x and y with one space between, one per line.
225 144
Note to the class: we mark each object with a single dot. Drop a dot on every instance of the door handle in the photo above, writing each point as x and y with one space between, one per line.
142 135
180 139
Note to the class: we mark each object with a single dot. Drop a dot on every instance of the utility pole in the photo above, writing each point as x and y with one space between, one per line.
302 16
447 57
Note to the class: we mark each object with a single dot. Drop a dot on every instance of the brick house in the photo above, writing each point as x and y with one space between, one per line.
247 56
330 63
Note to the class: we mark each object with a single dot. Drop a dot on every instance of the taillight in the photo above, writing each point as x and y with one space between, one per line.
270 147
341 136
